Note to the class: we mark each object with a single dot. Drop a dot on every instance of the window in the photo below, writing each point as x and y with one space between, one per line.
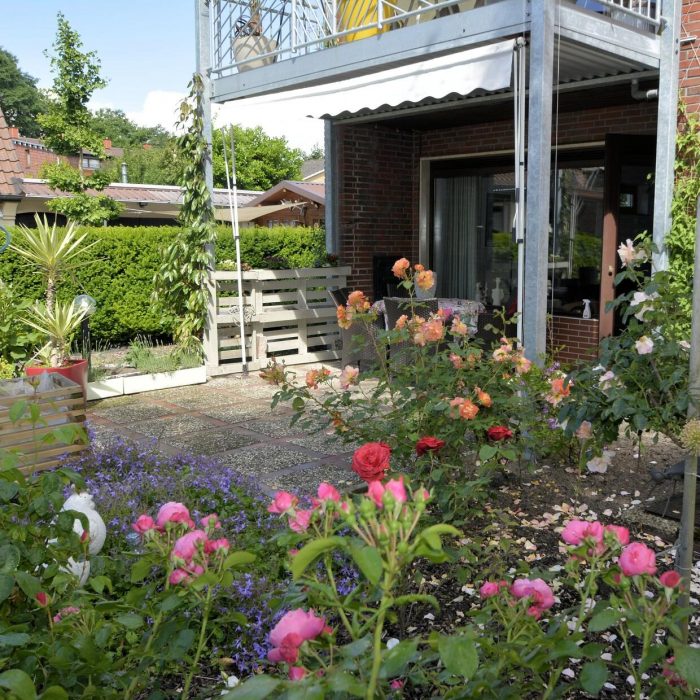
91 163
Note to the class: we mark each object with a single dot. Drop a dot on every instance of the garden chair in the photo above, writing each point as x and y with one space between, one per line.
357 343
394 308
489 336
339 296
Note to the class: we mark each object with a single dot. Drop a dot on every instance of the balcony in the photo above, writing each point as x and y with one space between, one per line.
264 46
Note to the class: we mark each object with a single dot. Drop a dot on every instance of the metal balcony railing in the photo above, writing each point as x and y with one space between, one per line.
249 34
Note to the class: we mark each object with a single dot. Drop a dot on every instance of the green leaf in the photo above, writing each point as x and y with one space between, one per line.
487 452
238 559
395 660
459 654
8 490
19 683
604 619
17 410
356 648
342 682
131 621
593 676
28 583
310 552
9 559
99 583
687 664
181 644
7 583
369 561
55 692
256 688
140 569
14 639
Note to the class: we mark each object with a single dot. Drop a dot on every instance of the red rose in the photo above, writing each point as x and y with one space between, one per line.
499 432
371 461
428 444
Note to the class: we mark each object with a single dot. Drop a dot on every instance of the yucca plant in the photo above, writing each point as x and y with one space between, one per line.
58 323
53 250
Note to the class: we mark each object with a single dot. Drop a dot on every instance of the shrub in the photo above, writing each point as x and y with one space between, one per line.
119 271
17 341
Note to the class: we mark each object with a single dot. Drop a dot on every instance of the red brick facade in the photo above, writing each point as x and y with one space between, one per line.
690 55
571 339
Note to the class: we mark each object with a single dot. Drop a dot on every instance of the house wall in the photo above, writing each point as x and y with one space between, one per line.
311 216
689 76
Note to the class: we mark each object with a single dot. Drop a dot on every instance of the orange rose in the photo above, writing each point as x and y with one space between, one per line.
344 317
400 268
457 361
401 323
433 330
483 398
425 279
419 267
358 301
468 410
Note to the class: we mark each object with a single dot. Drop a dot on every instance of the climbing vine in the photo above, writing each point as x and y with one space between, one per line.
180 283
681 238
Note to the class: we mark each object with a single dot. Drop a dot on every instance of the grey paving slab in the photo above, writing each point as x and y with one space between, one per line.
236 413
262 460
325 443
212 442
306 480
130 412
278 426
172 427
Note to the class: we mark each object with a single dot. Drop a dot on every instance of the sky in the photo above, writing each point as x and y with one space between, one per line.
146 49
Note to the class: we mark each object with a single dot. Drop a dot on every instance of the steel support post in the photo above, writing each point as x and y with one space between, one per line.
539 139
666 128
330 161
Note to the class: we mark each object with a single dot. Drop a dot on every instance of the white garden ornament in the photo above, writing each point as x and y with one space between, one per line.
84 503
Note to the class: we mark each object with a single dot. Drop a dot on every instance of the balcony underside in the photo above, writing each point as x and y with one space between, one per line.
588 47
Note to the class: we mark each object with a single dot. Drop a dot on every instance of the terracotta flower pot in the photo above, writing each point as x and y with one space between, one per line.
76 371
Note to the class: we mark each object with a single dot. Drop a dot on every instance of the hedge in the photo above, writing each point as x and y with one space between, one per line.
118 271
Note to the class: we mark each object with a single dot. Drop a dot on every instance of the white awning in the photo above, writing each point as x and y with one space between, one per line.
246 214
486 68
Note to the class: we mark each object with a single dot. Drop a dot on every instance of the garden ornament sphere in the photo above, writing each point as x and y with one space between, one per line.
85 303
84 503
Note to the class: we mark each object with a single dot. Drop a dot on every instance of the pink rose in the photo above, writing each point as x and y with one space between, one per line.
210 522
65 612
396 684
143 524
283 502
211 546
173 512
371 461
489 589
622 533
636 559
396 488
670 579
349 376
326 492
42 599
178 576
537 591
576 531
375 491
293 629
296 673
185 547
300 521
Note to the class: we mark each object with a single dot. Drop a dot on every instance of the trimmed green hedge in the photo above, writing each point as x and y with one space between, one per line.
118 271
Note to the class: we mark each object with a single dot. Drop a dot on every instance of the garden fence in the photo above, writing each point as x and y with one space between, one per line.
288 315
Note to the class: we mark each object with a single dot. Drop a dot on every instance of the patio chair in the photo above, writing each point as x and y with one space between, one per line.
394 308
340 295
488 336
360 343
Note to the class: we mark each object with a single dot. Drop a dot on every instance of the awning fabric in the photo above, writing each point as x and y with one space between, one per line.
487 68
246 214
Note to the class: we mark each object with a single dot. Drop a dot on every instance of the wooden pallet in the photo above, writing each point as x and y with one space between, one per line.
34 444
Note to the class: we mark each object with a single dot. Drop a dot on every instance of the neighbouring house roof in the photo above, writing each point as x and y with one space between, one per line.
292 191
30 142
312 167
10 168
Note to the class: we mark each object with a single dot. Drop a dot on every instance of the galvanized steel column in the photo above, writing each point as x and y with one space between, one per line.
666 127
539 151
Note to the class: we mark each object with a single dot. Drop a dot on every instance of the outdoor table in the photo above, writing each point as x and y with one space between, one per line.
467 309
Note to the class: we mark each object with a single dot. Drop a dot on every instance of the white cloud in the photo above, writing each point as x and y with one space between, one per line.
160 107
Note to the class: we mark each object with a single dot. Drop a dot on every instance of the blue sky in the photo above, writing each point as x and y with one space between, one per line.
146 48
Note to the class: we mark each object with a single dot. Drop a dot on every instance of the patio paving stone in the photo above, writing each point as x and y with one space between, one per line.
277 426
130 412
236 413
325 443
306 480
212 442
259 460
172 427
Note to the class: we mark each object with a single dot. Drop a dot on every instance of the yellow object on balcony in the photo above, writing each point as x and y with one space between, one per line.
359 13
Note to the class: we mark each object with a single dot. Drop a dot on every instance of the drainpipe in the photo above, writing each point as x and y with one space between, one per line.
642 95
125 176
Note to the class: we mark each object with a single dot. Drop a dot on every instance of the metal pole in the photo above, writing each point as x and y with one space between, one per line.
666 127
519 108
539 140
685 543
233 210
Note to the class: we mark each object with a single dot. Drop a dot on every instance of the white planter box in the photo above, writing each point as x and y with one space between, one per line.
138 383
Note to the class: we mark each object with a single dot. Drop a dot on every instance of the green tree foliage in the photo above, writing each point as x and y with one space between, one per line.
261 160
681 238
115 125
67 126
157 165
20 99
180 283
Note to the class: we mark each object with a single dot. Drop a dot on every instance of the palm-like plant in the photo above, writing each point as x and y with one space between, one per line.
55 251
58 323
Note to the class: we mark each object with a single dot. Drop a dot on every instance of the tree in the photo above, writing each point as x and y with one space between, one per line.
20 99
113 124
316 153
67 126
156 165
261 160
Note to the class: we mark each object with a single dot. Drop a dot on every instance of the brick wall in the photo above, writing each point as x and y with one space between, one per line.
690 55
33 159
572 339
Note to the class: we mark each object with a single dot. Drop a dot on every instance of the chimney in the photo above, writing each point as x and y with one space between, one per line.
107 143
125 174
14 132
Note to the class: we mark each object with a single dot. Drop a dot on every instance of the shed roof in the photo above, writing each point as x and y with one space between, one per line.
292 190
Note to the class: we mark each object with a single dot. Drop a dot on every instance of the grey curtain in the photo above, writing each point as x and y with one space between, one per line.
458 218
